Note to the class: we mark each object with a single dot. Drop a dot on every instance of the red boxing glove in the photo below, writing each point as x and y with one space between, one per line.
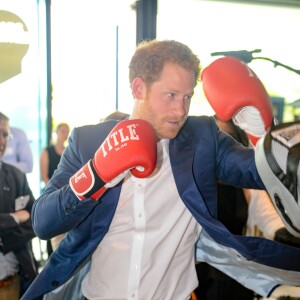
234 91
131 145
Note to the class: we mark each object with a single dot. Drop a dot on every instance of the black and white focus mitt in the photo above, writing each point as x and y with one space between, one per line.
277 158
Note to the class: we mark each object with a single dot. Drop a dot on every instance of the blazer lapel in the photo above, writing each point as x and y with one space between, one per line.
182 150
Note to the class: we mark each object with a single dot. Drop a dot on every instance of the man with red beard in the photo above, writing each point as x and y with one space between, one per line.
17 266
135 196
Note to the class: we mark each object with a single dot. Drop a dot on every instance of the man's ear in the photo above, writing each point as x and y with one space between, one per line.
139 88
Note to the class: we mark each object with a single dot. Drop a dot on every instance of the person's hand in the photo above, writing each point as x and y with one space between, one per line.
131 145
235 92
286 291
20 216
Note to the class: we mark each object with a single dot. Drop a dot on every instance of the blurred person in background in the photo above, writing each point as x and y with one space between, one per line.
17 265
51 155
18 151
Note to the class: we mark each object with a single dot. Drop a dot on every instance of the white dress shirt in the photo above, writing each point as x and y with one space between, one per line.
149 250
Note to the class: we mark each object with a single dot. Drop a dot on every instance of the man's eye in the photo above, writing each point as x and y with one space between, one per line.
172 95
187 97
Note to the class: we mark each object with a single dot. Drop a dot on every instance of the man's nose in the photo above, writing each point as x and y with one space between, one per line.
180 107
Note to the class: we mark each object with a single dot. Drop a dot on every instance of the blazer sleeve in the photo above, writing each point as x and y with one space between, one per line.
58 198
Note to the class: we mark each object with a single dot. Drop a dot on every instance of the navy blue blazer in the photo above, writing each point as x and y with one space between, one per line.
200 156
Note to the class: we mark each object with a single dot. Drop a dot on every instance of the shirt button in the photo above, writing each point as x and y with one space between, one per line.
140 215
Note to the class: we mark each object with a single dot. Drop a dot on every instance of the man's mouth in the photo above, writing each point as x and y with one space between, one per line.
174 123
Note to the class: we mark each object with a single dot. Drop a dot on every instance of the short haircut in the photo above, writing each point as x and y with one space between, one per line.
151 56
